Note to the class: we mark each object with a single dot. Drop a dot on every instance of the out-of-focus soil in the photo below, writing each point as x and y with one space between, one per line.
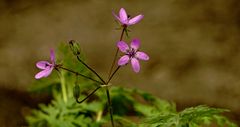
17 104
193 46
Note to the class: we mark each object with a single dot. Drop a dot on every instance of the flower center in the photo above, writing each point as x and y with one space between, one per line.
48 65
131 53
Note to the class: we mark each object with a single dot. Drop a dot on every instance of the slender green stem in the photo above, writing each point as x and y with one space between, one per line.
108 96
87 96
91 69
99 115
102 83
116 53
63 86
110 109
110 78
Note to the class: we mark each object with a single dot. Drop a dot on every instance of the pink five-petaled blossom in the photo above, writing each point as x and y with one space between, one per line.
46 66
131 54
125 20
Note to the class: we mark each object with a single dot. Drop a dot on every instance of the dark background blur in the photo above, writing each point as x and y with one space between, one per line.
193 45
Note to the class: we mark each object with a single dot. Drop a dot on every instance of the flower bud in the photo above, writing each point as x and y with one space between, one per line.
75 47
76 91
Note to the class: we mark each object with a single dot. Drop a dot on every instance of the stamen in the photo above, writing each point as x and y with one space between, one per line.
46 65
131 53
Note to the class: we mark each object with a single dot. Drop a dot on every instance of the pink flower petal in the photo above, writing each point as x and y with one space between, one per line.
142 56
123 60
43 73
135 44
135 20
123 15
52 56
123 47
135 65
42 64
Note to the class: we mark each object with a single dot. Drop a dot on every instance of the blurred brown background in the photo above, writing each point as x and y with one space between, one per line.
193 45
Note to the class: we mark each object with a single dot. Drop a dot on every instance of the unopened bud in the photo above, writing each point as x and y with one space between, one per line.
75 47
76 91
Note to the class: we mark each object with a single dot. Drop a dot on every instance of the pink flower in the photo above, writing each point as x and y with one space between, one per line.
125 20
131 54
46 66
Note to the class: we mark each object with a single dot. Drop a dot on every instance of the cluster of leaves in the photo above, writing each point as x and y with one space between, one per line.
60 114
191 117
131 107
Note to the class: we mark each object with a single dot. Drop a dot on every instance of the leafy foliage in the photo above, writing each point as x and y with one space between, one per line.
131 107
61 114
190 117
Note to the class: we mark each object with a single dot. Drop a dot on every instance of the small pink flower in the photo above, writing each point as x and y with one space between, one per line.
131 54
46 66
125 20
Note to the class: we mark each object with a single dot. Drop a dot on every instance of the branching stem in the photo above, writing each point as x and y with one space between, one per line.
102 83
91 69
110 76
88 95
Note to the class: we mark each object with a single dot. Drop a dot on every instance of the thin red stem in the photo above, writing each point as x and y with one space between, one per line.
116 53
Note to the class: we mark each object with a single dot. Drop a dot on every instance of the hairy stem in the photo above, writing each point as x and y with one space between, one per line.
102 83
87 96
91 69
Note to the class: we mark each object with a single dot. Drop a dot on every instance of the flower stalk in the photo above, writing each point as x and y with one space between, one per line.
78 74
87 96
78 58
110 109
131 54
116 53
63 86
